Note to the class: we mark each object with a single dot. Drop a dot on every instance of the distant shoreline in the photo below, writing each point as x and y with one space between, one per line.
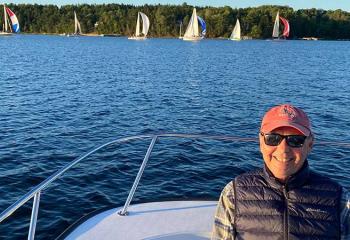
170 37
169 20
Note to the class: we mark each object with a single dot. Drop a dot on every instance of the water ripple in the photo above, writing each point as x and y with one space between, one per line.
60 97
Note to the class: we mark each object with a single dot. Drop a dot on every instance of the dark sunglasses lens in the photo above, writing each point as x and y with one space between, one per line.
272 139
296 141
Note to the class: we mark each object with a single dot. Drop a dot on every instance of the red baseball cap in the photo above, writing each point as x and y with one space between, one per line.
286 115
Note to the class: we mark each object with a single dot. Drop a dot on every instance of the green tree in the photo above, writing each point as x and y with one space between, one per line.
166 19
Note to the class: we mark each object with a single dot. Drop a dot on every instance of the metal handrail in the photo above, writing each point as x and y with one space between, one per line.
138 177
34 216
36 191
11 209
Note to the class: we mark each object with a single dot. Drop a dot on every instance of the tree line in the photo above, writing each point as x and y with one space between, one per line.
256 22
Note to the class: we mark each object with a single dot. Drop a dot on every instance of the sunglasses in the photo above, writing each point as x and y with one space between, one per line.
274 139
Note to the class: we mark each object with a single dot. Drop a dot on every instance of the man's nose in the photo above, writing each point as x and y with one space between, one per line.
283 147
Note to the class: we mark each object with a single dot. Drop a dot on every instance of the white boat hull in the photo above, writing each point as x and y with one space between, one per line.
192 38
156 220
137 38
5 34
75 35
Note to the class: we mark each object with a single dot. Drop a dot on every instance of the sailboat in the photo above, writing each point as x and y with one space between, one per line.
145 26
236 33
77 28
8 28
192 31
276 27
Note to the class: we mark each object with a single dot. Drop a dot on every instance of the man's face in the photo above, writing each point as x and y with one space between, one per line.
283 160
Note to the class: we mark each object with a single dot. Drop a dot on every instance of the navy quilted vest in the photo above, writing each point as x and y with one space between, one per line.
306 207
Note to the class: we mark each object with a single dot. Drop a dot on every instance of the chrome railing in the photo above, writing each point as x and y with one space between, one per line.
36 191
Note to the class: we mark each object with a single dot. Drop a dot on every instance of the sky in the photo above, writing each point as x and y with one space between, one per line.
296 4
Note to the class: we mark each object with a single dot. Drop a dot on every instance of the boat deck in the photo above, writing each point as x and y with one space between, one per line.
171 220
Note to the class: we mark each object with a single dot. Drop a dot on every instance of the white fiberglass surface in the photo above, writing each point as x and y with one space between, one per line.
152 221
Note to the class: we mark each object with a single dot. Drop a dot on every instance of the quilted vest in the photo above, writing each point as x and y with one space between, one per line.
306 207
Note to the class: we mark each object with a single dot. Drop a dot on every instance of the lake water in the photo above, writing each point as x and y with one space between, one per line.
60 97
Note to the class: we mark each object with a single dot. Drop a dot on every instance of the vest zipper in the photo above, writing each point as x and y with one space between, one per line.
285 193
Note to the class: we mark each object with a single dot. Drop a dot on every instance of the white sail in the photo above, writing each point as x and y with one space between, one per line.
77 29
195 24
192 28
75 23
236 33
145 24
141 35
137 32
276 26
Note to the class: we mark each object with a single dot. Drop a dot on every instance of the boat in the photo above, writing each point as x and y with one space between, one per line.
159 220
276 28
8 29
310 38
190 219
236 33
145 26
77 28
192 32
110 35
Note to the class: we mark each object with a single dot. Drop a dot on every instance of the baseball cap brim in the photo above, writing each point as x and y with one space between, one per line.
274 125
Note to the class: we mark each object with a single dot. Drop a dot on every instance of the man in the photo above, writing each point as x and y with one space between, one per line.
284 199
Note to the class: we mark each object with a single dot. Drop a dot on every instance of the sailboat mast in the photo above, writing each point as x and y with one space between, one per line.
5 20
180 28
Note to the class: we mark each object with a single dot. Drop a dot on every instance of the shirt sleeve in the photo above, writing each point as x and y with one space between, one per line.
345 215
223 228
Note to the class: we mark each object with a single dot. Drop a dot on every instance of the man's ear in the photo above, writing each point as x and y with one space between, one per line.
311 141
261 139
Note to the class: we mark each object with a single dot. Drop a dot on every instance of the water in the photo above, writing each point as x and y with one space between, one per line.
60 97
